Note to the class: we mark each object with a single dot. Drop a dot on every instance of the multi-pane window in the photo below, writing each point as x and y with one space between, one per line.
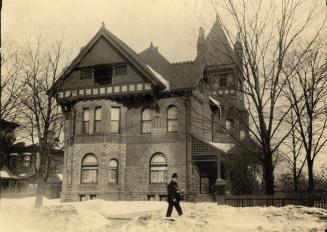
113 171
89 169
121 70
26 161
172 119
229 124
86 121
158 168
146 121
97 119
115 120
223 81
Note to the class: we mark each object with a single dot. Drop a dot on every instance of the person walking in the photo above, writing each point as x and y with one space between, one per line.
174 196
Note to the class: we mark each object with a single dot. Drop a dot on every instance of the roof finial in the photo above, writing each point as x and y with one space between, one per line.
103 25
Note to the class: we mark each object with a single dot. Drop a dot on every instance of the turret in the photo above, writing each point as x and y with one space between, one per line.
238 49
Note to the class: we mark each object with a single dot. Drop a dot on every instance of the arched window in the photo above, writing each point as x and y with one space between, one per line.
172 119
113 171
158 168
89 170
146 121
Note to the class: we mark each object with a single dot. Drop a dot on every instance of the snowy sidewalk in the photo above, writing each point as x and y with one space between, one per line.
137 216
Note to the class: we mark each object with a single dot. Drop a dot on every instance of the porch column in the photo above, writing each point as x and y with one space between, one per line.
220 184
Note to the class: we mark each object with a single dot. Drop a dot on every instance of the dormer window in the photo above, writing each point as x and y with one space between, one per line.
103 74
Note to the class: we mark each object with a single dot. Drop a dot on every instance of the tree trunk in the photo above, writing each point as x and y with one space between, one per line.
39 192
310 176
269 174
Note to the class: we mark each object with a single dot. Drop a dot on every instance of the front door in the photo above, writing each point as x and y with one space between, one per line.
208 176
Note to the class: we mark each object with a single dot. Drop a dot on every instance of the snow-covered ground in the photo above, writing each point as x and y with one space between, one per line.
96 216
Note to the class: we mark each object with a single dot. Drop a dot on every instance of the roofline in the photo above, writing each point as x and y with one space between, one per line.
107 34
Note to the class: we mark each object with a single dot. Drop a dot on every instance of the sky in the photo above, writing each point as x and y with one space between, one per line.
170 24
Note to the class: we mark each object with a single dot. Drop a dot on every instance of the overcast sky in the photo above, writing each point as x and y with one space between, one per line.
172 25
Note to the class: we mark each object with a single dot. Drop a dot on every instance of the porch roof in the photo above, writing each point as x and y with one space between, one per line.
5 173
201 146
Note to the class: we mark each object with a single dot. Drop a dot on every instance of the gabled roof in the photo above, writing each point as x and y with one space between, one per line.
182 75
218 49
125 50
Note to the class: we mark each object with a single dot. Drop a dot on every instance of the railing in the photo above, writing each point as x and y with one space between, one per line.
310 199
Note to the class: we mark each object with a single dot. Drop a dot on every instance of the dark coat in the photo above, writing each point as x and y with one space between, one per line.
172 191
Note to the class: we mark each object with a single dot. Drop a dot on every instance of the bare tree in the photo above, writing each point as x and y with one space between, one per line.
267 31
293 151
42 115
306 93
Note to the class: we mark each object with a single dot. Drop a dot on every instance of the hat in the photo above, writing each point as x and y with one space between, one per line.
174 175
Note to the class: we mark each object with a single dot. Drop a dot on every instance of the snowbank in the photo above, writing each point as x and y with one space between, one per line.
98 215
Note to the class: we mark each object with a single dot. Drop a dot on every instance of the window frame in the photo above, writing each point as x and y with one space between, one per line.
97 121
147 121
173 119
232 121
85 167
85 131
223 79
111 120
27 162
156 168
112 168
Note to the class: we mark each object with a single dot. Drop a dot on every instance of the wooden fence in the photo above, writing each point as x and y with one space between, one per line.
312 199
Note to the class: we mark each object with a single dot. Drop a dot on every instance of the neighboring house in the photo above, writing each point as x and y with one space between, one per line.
132 120
7 138
22 165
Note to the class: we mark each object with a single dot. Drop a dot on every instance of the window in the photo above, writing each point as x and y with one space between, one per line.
121 70
103 74
86 74
146 121
86 121
115 120
229 124
242 134
97 119
158 169
89 170
223 81
26 161
172 118
113 171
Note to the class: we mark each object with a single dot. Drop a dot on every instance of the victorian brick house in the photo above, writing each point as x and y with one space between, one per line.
134 119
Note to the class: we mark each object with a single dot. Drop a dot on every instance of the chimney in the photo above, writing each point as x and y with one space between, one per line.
201 44
238 49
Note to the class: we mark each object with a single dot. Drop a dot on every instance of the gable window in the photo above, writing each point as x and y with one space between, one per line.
103 74
86 74
113 171
223 81
115 120
89 169
172 119
86 121
158 168
121 70
229 125
97 119
146 121
26 161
